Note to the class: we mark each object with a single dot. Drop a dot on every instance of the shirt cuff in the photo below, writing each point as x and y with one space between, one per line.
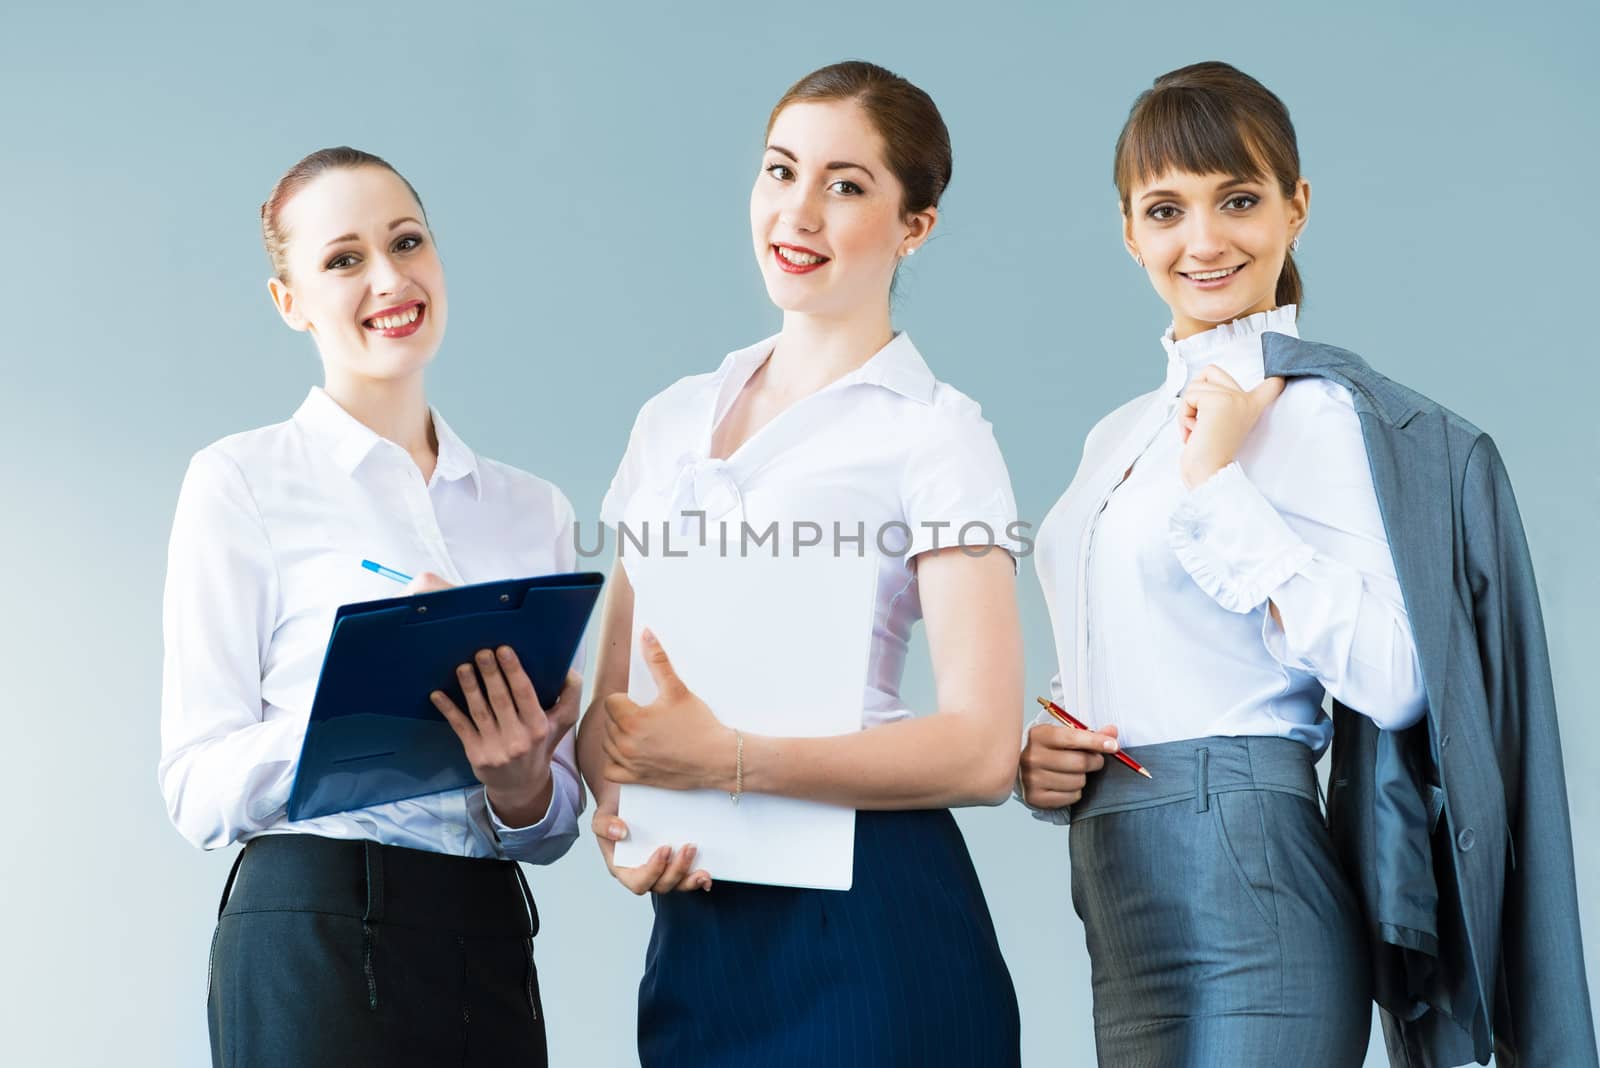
1060 817
1233 543
519 841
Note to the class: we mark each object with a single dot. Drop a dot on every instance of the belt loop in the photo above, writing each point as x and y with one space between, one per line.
527 899
372 854
533 929
227 887
1202 793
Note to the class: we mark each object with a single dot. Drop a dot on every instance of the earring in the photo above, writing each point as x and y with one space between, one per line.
1138 259
912 251
1294 243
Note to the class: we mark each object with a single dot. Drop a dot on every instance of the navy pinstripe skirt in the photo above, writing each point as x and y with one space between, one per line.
902 969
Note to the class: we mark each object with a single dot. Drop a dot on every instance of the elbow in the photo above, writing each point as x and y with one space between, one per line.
200 832
1395 708
990 760
995 777
202 829
1399 716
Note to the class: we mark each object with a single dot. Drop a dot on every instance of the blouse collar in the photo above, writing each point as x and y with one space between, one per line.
898 367
1235 346
349 441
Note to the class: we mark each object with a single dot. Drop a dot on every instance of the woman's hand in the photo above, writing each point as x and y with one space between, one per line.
1057 762
666 870
427 582
1215 418
508 737
675 742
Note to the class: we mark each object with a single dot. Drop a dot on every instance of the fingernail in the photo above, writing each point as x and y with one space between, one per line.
648 635
615 832
1111 745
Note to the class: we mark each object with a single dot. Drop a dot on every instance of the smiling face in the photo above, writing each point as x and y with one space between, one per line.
1213 244
826 212
364 277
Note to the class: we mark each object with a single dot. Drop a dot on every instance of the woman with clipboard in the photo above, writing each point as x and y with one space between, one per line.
399 934
839 412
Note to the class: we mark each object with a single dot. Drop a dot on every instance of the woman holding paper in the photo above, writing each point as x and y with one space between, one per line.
401 933
836 419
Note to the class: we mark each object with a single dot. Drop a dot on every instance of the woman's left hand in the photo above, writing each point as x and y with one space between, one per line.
1215 418
675 741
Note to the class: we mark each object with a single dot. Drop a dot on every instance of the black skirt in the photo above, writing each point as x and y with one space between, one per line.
344 953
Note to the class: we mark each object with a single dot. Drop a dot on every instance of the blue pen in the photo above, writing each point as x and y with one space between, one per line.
386 572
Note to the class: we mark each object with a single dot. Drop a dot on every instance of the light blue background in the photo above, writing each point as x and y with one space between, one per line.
586 170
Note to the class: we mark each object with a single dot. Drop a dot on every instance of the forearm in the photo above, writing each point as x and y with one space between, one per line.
1330 622
526 809
539 833
1342 623
939 761
592 758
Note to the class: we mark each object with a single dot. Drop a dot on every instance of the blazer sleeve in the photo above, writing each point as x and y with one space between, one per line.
1542 1010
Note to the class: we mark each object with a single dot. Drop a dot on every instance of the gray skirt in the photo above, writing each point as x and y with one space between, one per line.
1221 930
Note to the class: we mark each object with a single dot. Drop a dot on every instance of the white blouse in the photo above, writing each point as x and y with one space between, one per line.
1159 596
887 459
267 543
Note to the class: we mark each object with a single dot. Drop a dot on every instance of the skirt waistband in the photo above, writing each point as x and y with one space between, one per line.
380 884
1196 768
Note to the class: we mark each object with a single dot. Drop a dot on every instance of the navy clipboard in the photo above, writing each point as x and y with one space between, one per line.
374 736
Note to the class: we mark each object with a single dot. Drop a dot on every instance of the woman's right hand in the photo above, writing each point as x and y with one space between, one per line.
666 870
427 582
1057 762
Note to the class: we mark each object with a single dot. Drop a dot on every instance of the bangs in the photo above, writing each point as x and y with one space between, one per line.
1195 132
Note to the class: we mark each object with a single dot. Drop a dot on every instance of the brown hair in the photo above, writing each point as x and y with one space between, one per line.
273 233
1211 118
916 143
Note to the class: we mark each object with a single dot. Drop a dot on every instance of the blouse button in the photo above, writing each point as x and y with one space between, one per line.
1465 839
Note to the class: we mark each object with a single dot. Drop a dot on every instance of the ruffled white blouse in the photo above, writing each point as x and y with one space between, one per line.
1159 596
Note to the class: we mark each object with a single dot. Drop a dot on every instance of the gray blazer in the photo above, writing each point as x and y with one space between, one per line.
1455 831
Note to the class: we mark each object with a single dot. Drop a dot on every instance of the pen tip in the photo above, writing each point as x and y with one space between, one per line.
1042 701
1146 774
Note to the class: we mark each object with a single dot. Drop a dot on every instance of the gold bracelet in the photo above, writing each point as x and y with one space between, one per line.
738 768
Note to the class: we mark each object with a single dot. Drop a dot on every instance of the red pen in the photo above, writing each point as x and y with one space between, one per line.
1072 721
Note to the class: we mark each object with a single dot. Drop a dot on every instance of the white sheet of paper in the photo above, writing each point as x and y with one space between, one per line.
773 646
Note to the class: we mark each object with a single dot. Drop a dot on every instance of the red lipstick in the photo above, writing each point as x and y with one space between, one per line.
405 329
797 268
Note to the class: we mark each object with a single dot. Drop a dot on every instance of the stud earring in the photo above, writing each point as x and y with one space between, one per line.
1138 259
912 251
1294 244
